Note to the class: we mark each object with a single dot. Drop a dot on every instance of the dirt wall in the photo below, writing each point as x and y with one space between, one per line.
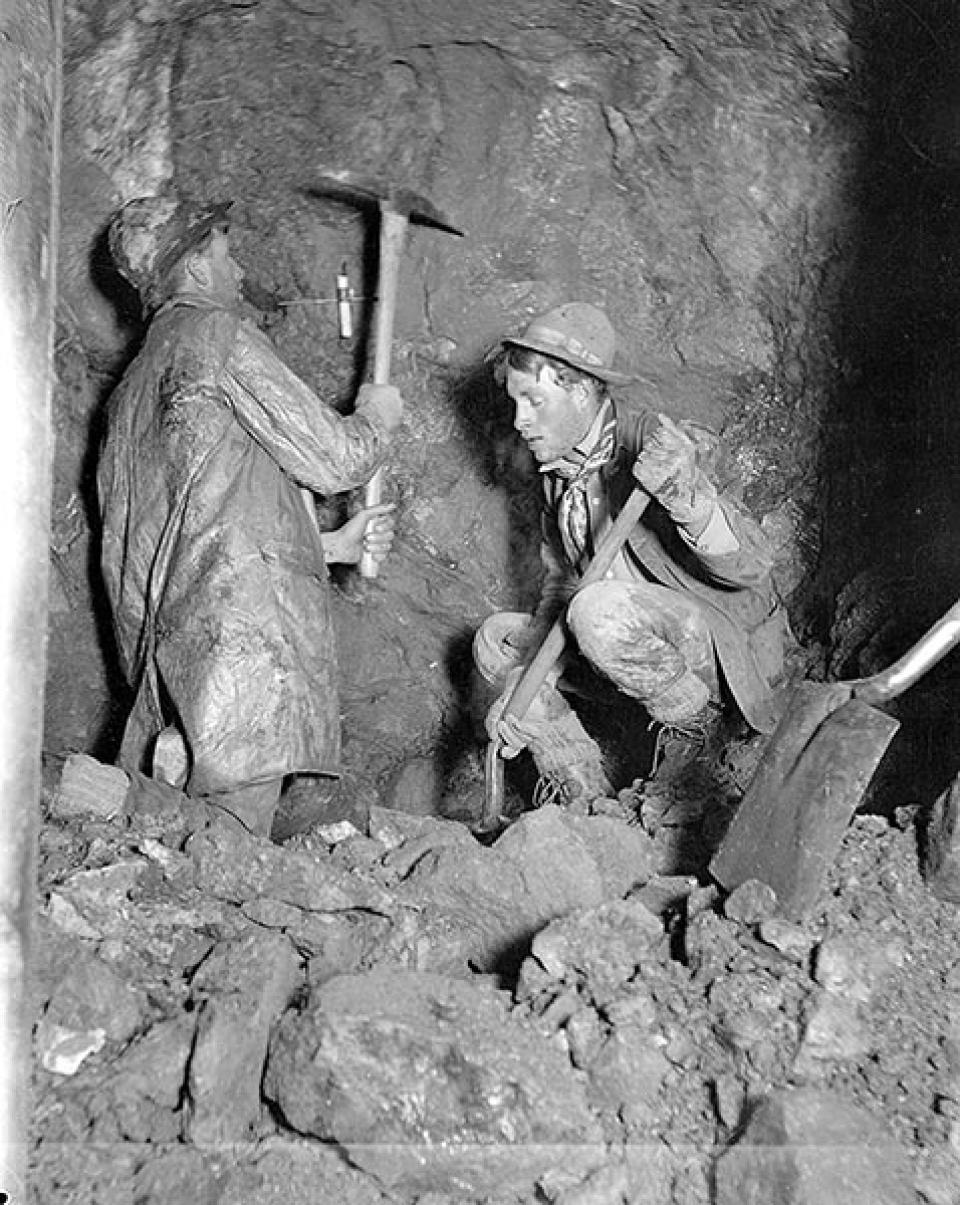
687 167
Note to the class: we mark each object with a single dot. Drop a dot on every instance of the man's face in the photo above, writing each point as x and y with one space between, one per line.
551 417
226 275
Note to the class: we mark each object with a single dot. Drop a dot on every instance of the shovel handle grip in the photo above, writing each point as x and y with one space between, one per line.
393 231
910 668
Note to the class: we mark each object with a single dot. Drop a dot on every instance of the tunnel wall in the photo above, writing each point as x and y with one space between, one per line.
689 168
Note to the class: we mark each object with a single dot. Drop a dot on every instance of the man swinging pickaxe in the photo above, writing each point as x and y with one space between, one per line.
398 207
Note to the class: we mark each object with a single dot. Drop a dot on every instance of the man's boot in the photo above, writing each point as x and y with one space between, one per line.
681 741
569 761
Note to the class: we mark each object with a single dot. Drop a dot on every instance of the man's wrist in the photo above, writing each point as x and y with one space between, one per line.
331 547
713 535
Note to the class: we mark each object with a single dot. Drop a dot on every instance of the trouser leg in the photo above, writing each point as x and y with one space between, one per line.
654 644
562 750
253 805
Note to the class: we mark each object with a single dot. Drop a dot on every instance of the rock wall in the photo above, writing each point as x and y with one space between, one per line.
685 166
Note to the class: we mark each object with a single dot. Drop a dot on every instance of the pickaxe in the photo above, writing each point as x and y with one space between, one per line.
398 207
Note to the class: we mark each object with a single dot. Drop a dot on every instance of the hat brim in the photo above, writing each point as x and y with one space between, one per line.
216 215
608 375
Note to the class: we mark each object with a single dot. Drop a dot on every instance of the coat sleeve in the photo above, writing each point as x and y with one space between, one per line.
311 441
749 563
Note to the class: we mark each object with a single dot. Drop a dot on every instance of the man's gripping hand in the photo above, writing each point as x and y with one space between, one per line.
514 735
507 732
382 402
667 468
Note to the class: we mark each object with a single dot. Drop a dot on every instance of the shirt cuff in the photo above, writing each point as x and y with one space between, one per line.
716 539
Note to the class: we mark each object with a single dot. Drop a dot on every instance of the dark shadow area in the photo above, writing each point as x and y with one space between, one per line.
484 415
893 437
126 300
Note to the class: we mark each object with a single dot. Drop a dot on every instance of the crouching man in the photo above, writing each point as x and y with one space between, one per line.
686 622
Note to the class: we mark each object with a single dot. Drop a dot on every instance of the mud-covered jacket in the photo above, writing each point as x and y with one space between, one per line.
212 562
734 589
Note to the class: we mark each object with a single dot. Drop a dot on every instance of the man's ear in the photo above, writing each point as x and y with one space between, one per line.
585 397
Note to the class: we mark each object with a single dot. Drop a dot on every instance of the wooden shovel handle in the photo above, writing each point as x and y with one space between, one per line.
547 655
393 230
910 668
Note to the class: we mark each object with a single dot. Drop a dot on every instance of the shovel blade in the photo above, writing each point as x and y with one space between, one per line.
810 780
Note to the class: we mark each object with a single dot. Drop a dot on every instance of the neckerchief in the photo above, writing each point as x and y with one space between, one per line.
589 456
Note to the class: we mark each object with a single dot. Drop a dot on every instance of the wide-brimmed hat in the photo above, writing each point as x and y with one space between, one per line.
577 333
149 235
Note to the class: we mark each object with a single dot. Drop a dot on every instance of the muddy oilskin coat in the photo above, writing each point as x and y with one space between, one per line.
213 566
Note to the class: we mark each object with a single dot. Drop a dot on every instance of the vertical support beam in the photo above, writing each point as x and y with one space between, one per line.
30 107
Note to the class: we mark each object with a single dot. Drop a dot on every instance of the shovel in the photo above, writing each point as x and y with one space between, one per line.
813 774
534 676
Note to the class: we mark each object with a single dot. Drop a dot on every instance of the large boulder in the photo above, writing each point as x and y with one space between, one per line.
428 1084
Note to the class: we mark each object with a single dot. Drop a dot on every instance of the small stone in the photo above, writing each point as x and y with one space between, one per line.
89 788
702 899
791 940
854 967
62 1051
664 892
835 1030
67 917
333 834
752 901
941 864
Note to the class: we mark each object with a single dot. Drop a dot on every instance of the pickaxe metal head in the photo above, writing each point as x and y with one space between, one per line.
393 198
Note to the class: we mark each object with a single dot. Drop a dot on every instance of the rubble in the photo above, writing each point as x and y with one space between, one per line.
802 1146
406 1014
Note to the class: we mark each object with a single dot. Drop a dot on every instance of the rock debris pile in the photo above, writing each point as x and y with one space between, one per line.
407 1015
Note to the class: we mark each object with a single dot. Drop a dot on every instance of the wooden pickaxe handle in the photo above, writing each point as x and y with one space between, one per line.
393 233
546 656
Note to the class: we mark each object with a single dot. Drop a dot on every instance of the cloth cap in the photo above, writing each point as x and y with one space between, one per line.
149 235
577 333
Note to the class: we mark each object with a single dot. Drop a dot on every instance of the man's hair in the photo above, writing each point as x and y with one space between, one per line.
523 359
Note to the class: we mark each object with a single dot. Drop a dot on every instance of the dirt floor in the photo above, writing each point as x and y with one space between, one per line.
571 1012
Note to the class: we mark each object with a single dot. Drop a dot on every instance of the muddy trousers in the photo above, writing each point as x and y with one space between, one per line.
654 644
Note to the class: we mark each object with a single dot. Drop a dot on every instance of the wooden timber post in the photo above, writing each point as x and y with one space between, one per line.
30 109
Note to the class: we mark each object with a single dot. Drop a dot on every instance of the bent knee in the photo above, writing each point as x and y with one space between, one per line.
599 603
498 643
